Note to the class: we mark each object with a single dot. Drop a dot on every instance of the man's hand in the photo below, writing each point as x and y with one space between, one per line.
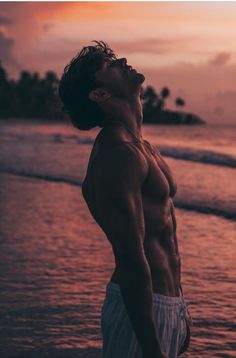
164 355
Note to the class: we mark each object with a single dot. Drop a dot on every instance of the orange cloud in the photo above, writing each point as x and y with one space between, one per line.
221 59
170 42
150 45
5 20
6 46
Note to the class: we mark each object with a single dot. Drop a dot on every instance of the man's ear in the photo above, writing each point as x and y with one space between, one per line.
99 95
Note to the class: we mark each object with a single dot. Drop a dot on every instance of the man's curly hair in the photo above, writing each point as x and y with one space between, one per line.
78 80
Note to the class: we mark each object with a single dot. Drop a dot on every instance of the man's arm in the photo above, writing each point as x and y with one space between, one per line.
121 172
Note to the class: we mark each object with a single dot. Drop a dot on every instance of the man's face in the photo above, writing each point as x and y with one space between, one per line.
119 78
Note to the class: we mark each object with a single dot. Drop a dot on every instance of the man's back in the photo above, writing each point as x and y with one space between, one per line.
157 188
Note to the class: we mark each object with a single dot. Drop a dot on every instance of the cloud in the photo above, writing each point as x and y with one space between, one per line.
6 54
5 20
6 45
47 26
220 59
218 111
222 105
148 45
205 88
226 96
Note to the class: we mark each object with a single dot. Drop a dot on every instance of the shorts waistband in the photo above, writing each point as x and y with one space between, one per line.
114 289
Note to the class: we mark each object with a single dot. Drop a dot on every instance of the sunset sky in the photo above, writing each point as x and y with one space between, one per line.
189 47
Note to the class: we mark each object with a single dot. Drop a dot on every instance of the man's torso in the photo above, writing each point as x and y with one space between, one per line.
160 241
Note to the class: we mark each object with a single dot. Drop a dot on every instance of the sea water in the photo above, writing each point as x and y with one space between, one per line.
55 261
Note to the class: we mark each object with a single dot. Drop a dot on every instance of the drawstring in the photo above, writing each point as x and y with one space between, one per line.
184 312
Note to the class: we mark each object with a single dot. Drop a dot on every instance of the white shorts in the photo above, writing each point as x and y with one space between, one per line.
172 320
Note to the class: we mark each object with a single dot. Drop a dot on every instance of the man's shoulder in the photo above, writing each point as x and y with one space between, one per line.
117 151
116 164
110 136
116 141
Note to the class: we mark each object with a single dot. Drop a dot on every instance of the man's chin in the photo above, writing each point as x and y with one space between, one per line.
140 77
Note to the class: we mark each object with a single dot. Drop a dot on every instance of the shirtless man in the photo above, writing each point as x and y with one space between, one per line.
129 191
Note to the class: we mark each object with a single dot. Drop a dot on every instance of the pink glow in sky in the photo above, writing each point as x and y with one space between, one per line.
189 47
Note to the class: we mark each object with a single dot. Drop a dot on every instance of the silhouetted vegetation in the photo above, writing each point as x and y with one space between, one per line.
33 97
154 108
179 102
30 96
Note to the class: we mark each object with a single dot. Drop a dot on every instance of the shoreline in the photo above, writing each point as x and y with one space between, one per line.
31 121
14 120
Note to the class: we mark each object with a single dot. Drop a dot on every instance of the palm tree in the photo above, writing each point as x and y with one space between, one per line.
5 95
3 75
179 102
165 92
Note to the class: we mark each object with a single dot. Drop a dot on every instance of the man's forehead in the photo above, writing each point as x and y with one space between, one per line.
101 60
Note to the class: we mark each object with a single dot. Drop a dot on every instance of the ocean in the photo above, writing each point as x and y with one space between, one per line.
55 261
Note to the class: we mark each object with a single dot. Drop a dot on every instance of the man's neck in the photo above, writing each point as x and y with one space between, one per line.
129 114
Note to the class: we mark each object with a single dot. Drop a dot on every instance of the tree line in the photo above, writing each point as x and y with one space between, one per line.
33 97
30 96
154 104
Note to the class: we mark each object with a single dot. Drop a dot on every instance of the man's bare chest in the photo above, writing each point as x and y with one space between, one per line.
160 182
